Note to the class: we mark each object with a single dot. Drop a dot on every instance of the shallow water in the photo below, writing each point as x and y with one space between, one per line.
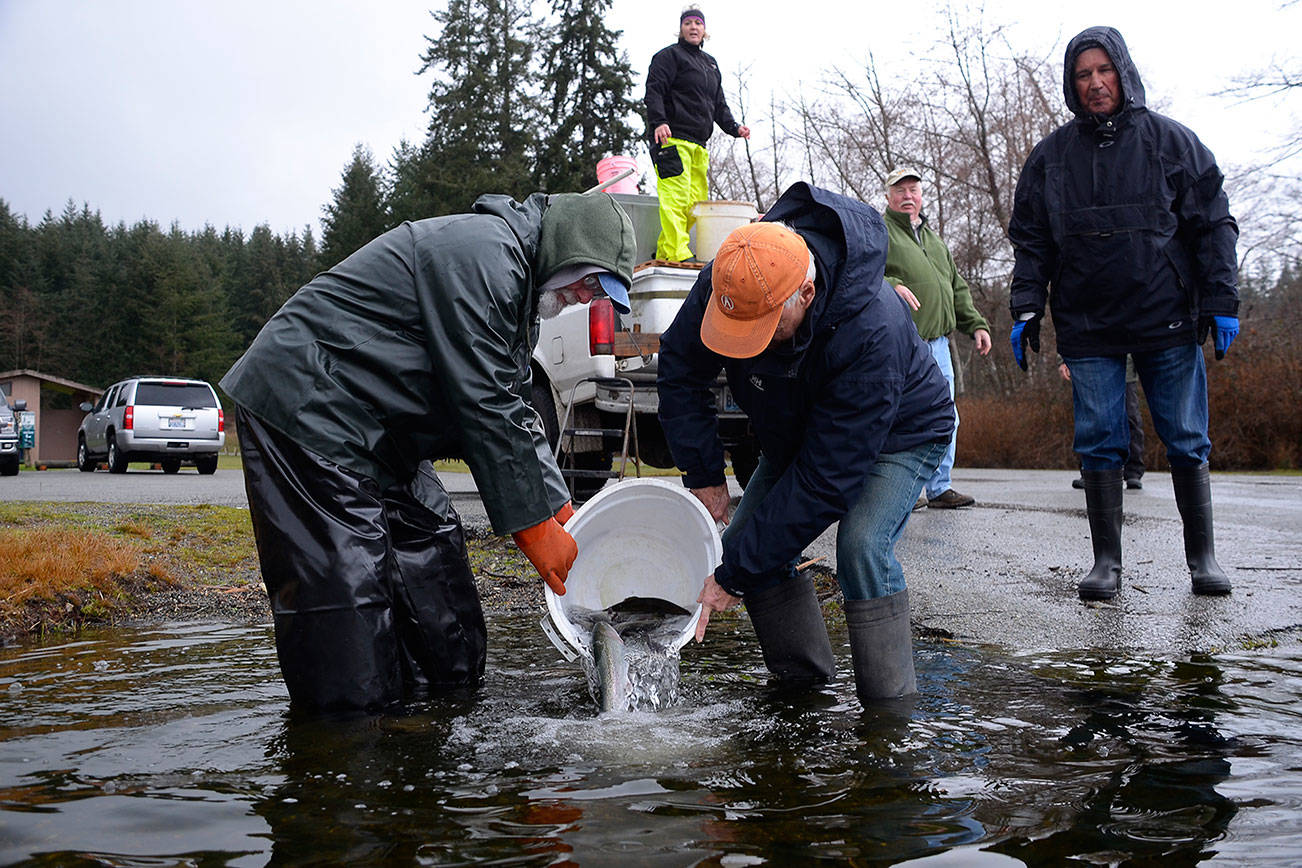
174 746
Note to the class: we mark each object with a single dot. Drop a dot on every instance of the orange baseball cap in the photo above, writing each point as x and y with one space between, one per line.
758 267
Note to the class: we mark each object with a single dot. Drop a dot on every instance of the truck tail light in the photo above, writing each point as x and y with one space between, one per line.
129 418
221 420
601 327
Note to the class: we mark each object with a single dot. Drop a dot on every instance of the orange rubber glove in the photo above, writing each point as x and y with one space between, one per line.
551 551
565 513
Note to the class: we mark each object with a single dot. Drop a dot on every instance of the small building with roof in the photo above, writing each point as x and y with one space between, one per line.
55 403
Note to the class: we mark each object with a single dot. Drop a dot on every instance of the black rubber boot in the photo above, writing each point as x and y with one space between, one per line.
881 645
1193 496
1103 507
792 634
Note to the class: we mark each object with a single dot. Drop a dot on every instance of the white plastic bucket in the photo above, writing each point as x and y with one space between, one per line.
714 220
609 167
637 538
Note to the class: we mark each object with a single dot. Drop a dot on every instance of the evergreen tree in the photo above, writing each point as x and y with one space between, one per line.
484 110
138 304
24 314
358 212
232 253
589 82
408 197
265 287
77 259
95 304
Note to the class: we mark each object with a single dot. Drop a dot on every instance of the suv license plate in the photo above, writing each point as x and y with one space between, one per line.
177 423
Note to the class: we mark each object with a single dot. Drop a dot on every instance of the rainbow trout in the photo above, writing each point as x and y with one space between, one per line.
611 663
632 663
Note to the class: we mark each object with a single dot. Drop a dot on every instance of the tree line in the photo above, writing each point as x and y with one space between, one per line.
94 303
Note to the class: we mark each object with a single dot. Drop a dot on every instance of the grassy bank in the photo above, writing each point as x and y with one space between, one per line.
65 566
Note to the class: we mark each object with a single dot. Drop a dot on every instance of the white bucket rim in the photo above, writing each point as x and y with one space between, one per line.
555 607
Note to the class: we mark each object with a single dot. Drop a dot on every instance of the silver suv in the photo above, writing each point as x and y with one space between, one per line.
167 420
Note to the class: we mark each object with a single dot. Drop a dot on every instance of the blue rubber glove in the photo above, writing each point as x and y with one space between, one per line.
1025 332
1227 329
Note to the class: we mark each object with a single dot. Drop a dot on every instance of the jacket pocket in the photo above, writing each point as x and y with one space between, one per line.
1187 289
667 160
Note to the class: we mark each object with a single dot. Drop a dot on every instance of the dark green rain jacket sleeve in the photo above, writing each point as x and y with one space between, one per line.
473 301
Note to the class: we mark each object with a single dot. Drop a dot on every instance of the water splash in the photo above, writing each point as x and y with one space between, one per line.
649 668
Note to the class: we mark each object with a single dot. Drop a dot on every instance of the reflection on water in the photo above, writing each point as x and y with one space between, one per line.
175 744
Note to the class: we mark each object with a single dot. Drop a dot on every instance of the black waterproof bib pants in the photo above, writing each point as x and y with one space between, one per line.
371 591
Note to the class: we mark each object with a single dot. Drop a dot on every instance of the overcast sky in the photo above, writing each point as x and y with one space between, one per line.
243 112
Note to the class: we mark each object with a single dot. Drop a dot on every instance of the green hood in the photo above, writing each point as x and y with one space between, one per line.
585 228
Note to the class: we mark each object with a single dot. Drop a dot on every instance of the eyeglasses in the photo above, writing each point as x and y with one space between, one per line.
588 282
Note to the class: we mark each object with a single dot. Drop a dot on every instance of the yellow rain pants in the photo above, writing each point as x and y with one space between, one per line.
681 168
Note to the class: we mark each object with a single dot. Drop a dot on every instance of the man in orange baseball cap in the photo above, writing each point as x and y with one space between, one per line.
852 416
761 285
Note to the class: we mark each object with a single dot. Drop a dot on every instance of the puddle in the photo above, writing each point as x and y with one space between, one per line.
175 744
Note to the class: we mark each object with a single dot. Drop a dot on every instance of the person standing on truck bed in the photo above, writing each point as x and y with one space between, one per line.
852 416
684 100
414 348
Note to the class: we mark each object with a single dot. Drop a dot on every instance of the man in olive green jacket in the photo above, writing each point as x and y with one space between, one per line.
414 348
920 267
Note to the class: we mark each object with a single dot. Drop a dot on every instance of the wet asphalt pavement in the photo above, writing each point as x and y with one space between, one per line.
1003 572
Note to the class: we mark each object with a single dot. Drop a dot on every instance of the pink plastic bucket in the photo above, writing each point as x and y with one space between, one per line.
609 167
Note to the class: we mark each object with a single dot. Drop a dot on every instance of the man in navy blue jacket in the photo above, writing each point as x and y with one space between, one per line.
852 416
1120 222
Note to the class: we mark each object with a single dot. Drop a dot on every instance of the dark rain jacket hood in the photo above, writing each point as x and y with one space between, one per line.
418 346
1108 39
854 382
1120 224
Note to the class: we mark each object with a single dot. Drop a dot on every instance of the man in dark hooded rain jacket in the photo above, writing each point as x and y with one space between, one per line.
1120 222
414 348
852 417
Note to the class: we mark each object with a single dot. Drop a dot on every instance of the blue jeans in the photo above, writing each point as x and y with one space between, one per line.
866 566
1175 384
940 481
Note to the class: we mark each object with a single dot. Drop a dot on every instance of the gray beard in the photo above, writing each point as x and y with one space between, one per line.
554 301
550 304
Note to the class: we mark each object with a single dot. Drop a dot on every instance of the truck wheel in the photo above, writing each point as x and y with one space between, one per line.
9 468
651 443
543 401
117 459
85 463
205 464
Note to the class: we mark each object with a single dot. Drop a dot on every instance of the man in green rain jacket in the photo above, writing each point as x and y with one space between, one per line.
414 348
922 271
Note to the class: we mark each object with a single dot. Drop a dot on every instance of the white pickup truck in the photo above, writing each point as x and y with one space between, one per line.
589 356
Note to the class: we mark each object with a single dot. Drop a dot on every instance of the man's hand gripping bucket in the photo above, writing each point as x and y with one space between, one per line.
644 538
